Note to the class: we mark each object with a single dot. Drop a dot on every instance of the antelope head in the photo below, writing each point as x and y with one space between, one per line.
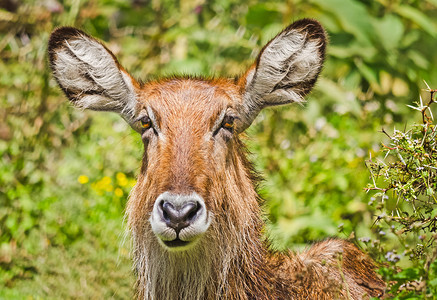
195 185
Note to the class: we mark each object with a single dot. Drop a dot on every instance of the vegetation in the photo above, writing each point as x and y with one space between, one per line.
65 174
407 205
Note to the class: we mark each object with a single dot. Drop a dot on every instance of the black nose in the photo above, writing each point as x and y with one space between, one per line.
179 217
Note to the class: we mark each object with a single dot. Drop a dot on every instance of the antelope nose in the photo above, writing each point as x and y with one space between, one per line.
179 217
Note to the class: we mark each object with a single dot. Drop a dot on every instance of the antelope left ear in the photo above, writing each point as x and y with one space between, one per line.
285 71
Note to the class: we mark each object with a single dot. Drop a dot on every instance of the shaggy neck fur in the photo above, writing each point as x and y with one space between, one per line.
227 263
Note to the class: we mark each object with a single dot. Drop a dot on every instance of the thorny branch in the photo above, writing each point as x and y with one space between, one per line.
405 185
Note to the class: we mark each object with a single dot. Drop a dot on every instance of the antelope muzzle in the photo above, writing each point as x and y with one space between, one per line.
178 221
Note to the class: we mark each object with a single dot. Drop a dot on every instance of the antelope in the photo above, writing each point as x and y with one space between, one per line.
194 214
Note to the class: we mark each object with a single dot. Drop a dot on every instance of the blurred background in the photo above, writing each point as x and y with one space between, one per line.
65 175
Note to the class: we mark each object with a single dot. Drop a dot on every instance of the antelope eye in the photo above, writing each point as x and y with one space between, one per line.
146 123
228 123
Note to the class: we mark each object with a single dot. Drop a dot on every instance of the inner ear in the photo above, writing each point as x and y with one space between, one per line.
90 75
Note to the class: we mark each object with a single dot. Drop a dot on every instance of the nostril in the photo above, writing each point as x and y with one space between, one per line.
164 212
192 215
191 210
169 213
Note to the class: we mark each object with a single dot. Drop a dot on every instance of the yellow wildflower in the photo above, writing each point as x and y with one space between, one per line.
118 192
83 179
106 180
121 179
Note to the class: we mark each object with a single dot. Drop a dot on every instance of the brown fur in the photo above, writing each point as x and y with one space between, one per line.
185 151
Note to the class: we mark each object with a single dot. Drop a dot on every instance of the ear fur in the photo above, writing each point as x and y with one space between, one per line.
285 70
89 74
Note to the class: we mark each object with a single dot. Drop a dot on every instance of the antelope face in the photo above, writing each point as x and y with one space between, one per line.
194 178
188 128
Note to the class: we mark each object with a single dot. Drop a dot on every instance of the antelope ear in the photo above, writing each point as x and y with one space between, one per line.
90 75
285 70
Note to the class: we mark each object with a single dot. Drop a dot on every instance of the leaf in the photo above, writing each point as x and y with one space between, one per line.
418 59
351 50
367 72
417 17
390 31
261 15
352 16
408 274
433 282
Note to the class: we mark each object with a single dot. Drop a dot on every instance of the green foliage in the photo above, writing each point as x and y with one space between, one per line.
53 223
407 205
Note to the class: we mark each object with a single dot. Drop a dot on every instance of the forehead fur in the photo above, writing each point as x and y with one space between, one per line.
187 97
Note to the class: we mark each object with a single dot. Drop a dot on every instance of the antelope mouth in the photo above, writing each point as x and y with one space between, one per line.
176 243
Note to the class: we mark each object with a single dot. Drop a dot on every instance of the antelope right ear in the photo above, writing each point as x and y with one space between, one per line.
285 71
90 75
